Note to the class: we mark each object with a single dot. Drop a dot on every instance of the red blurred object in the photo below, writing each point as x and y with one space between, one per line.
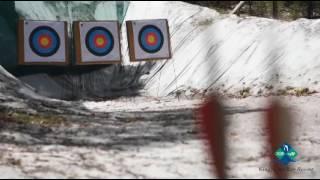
277 121
212 121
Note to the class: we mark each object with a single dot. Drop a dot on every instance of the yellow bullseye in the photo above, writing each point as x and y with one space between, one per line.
151 39
44 41
100 41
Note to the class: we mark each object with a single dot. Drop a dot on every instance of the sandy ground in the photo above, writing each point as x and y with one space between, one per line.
146 137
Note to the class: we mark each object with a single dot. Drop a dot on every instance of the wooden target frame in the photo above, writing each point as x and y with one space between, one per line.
79 45
25 59
134 29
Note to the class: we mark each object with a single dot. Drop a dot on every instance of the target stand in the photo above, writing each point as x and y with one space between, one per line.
97 42
148 40
42 43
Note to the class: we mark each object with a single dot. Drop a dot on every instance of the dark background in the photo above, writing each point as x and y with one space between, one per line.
285 10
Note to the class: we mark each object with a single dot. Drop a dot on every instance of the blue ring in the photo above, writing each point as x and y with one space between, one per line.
90 44
142 39
35 46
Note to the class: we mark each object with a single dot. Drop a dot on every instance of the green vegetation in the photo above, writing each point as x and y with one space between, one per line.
295 91
244 92
24 118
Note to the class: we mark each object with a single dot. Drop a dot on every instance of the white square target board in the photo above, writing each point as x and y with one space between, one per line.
42 43
149 39
97 42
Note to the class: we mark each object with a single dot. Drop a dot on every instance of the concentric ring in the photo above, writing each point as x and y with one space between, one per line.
44 41
151 39
99 41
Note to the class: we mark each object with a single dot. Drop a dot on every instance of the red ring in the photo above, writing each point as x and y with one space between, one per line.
104 41
47 37
155 39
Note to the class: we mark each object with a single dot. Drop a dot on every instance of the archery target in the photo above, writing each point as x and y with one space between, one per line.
42 42
149 39
97 42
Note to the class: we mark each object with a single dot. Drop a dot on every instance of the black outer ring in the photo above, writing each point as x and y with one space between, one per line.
40 53
88 45
161 36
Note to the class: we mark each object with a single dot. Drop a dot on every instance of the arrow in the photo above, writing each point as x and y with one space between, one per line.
278 128
212 122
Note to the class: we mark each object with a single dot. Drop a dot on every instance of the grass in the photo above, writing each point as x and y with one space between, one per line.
287 91
24 118
244 92
295 91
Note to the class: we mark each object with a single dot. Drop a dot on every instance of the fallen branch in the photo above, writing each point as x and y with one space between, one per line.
237 8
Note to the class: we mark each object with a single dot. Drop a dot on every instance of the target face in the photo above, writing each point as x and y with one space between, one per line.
97 42
44 41
151 39
148 39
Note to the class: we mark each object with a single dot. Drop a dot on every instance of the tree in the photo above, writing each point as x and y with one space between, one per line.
309 9
250 7
275 9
